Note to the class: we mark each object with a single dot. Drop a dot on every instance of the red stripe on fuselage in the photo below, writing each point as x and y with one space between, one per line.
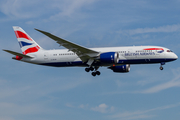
31 50
20 34
153 49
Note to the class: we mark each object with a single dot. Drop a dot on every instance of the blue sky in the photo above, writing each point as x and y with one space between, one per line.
35 92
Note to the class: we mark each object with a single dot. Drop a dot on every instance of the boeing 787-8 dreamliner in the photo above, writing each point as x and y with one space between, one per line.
117 59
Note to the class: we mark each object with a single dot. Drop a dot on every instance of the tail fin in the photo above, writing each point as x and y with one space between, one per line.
27 44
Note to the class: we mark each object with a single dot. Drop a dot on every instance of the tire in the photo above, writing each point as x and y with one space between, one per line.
91 68
87 69
161 68
98 73
94 74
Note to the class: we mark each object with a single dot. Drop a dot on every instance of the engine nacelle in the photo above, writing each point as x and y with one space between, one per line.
109 57
121 69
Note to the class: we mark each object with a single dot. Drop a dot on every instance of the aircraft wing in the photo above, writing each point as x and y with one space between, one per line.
85 54
18 54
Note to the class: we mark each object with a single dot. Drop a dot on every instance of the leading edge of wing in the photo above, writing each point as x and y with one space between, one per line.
84 53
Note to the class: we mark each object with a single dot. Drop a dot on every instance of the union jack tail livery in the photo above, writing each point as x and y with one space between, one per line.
27 44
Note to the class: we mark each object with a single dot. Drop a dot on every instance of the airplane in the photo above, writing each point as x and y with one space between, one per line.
118 59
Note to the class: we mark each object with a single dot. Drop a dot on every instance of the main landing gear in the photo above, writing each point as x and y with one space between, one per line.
92 69
95 73
161 68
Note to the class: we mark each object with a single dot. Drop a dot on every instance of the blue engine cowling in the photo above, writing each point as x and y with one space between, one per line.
109 57
120 69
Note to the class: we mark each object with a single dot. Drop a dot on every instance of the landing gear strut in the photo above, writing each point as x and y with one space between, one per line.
161 68
92 69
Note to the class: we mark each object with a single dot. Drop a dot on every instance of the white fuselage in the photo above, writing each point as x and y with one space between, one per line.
127 55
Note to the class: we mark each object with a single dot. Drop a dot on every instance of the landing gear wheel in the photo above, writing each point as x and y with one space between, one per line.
98 73
93 73
87 69
91 68
161 68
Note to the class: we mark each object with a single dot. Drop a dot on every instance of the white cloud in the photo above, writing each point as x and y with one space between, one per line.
19 8
141 113
160 84
70 7
69 105
29 22
120 83
82 106
9 109
46 10
103 108
73 6
165 29
172 83
9 91
140 117
19 99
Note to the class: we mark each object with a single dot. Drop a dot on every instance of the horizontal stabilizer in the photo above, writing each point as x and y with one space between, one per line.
18 54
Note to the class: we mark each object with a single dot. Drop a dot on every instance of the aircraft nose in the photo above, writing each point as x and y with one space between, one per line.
175 56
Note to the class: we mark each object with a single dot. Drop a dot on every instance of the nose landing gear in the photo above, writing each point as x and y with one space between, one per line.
161 68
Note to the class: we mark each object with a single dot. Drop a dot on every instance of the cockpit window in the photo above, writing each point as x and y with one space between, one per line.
169 51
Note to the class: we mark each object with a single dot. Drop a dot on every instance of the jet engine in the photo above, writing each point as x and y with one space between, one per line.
109 57
120 69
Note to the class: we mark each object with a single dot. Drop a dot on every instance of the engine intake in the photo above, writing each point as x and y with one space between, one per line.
109 57
120 69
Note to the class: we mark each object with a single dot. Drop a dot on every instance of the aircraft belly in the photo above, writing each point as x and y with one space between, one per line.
65 64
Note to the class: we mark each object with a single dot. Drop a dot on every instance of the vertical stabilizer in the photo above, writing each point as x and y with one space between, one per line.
27 44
